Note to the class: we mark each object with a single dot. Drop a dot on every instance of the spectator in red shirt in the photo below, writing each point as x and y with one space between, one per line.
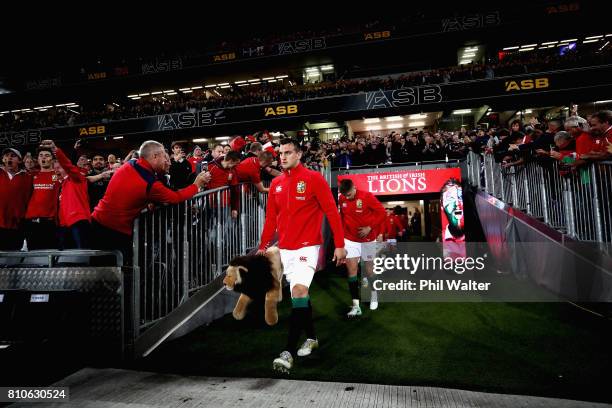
74 215
132 187
15 192
601 132
41 215
196 158
249 170
223 173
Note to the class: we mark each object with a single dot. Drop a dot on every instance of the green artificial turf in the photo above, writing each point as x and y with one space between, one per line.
548 349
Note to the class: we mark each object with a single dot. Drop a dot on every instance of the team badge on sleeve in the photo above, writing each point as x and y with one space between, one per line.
301 187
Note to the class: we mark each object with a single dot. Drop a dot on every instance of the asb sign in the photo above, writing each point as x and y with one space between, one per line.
403 182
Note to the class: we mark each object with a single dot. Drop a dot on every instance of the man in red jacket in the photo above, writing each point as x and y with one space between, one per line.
362 215
249 170
41 215
132 187
15 192
223 173
297 201
74 215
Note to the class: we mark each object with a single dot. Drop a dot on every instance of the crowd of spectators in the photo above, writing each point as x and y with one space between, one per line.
288 90
49 197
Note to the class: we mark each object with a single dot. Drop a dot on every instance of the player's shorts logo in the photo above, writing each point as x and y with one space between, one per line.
303 259
301 187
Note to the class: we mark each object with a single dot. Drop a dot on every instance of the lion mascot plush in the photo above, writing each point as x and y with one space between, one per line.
256 276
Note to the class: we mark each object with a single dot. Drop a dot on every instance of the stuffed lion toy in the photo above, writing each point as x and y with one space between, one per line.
256 276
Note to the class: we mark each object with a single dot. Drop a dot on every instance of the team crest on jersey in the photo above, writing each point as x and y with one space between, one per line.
359 203
301 187
279 189
54 178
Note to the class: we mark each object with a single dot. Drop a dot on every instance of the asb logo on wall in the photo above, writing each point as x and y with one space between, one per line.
92 130
280 110
526 84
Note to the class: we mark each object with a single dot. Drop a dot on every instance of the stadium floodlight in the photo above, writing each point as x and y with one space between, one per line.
371 120
417 124
462 111
511 48
393 118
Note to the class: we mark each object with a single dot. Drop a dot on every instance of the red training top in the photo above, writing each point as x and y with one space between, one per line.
297 200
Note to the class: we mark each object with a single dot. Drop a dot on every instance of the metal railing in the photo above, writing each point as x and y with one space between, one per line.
179 249
575 202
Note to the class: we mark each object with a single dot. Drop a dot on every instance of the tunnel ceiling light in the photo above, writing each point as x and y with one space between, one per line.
371 120
417 124
393 118
462 111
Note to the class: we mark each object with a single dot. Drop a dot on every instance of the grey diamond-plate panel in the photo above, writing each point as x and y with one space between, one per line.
102 284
